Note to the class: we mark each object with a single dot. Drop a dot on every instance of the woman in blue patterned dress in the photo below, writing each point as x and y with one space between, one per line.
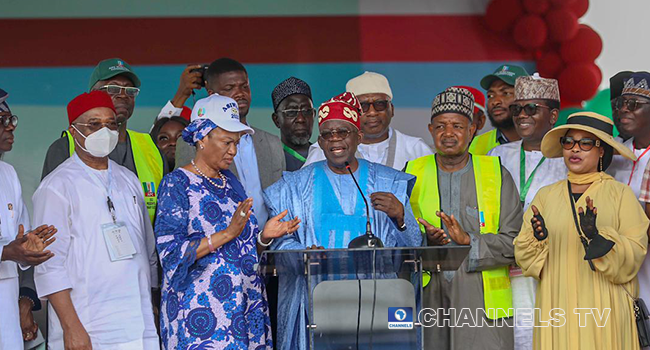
208 241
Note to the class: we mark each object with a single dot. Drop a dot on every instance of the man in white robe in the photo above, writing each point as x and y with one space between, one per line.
99 281
381 143
534 111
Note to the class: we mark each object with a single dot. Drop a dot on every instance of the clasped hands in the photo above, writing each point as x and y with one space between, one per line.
438 236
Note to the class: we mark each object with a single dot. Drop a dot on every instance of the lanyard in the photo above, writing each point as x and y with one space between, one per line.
524 184
636 161
100 183
294 153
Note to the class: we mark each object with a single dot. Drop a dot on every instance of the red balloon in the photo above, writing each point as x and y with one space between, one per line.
530 31
562 25
570 104
561 3
500 15
579 7
584 47
578 82
550 64
536 6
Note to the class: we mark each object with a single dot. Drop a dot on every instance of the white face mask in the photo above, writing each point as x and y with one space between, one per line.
100 143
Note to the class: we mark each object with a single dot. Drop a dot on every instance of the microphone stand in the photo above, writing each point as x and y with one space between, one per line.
368 240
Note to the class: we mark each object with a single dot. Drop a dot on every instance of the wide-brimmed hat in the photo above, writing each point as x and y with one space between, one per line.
599 125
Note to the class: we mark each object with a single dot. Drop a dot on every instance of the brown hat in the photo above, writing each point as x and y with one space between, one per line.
535 87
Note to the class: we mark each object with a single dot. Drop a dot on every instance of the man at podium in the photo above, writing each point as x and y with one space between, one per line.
464 199
332 210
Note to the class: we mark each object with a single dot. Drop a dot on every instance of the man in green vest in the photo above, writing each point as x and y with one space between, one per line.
464 199
500 87
135 151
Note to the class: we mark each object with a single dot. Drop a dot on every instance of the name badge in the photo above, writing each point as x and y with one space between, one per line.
515 271
118 241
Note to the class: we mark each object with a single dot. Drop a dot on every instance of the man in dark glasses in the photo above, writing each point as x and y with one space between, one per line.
632 109
135 151
293 114
615 91
381 143
534 111
500 87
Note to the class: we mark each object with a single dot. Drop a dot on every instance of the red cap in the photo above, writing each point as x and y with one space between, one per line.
87 101
345 107
479 98
186 113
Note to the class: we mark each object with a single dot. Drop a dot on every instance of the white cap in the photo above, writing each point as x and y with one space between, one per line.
369 83
221 110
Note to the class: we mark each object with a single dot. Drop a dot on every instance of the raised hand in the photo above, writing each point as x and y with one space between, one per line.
389 204
588 219
456 233
275 228
20 251
39 238
539 227
435 235
239 219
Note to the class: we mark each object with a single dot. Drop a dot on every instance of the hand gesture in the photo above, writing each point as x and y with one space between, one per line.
22 253
435 235
189 81
27 324
39 238
239 219
389 204
453 228
588 219
539 227
275 228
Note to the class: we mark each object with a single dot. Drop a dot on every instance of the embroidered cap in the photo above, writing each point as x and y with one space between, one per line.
454 100
290 86
536 88
637 84
344 107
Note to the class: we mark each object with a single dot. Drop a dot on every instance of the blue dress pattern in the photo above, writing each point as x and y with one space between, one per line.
217 301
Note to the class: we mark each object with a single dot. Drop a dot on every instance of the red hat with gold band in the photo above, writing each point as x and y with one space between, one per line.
344 107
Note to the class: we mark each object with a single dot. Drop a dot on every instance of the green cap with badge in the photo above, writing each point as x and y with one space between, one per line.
507 73
111 67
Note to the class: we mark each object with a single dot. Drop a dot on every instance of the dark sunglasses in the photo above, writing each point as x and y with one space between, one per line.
293 113
9 119
585 144
530 109
379 105
632 105
339 133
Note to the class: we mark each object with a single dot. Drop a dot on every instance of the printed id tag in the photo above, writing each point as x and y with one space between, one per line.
118 241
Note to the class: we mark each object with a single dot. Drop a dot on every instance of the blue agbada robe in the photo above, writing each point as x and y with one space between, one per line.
329 216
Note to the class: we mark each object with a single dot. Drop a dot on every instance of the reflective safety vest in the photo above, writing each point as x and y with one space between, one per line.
482 144
148 164
425 201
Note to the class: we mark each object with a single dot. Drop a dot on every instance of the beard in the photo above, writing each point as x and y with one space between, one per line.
506 123
299 140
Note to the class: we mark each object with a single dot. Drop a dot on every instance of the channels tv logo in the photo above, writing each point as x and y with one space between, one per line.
400 318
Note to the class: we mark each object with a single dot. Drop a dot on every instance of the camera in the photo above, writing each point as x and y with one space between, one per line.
204 71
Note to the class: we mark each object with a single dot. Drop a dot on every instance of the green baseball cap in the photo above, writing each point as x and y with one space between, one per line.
507 73
111 67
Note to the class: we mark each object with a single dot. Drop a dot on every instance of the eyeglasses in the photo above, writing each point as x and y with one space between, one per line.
293 113
379 105
95 126
632 104
585 144
530 109
116 90
339 133
9 119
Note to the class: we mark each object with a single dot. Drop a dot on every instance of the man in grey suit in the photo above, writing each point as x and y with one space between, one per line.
260 159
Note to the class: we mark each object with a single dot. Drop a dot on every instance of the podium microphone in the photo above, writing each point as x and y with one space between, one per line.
368 240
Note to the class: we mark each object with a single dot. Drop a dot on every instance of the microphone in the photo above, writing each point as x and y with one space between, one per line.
368 240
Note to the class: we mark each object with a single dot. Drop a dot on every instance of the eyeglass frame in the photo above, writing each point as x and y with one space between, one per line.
122 88
297 111
373 103
88 125
579 142
337 132
626 102
523 108
7 119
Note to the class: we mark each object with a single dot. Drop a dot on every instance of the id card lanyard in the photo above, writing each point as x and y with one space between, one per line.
524 184
100 183
634 162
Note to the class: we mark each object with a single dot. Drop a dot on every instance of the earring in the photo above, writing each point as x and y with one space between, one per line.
202 147
601 164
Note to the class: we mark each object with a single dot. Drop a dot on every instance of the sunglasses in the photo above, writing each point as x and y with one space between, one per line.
585 144
632 105
339 133
379 105
530 109
9 120
116 90
293 113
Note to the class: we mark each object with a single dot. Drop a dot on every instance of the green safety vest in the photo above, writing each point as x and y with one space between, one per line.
425 201
482 144
148 164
